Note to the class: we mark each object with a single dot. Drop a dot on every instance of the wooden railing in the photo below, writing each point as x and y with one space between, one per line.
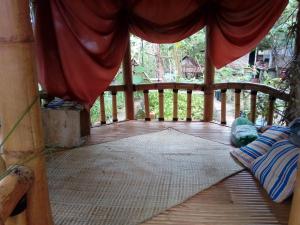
14 187
189 88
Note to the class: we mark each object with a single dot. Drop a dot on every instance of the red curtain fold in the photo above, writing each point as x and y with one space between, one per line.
80 44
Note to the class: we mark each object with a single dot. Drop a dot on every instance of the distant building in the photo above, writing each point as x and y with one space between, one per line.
190 68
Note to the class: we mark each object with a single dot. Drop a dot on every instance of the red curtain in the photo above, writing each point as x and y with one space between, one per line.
80 44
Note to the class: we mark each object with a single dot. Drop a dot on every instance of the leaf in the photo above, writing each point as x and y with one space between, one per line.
139 69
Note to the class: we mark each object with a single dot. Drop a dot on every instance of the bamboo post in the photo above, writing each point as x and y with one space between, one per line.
102 109
208 81
253 106
127 74
146 102
237 99
161 105
294 218
18 89
114 106
189 106
13 187
223 106
271 110
175 104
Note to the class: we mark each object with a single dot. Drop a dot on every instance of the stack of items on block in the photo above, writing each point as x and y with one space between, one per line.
273 158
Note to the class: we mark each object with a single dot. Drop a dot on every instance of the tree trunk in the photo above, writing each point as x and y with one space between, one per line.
293 110
159 63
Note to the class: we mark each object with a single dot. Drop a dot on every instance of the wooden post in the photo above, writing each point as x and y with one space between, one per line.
127 74
271 110
253 106
114 106
189 106
175 104
294 218
102 109
208 81
223 106
146 102
18 89
237 99
294 111
161 105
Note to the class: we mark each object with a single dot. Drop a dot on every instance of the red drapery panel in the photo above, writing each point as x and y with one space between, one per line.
80 44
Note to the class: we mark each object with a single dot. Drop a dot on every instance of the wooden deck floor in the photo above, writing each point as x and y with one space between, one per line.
236 200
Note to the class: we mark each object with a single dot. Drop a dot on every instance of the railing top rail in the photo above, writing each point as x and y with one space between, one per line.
254 87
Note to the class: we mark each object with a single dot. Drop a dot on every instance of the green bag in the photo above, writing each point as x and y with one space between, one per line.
243 132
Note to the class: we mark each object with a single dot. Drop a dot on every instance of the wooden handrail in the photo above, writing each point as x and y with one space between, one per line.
173 85
189 87
13 187
254 87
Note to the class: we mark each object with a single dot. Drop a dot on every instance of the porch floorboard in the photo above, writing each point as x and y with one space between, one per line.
237 200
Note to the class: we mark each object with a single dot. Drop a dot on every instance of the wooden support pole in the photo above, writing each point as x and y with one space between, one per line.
294 107
271 110
127 74
161 105
237 103
175 104
102 109
208 81
223 106
13 187
114 106
18 89
146 102
253 106
189 106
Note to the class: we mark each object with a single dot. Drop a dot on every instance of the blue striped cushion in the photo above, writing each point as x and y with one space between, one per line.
261 145
277 169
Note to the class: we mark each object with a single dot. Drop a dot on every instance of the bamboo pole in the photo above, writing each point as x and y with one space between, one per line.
127 74
223 106
161 104
18 89
253 106
146 102
102 109
13 187
294 111
175 104
271 110
114 107
237 103
208 81
189 106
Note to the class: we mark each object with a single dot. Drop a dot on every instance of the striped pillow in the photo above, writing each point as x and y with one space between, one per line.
277 170
261 145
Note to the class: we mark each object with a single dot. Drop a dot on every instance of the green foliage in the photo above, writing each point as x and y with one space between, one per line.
197 105
95 110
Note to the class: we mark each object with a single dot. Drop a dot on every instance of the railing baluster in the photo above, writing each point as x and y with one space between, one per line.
253 106
114 106
223 106
175 104
102 109
271 109
237 101
189 106
161 105
146 102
